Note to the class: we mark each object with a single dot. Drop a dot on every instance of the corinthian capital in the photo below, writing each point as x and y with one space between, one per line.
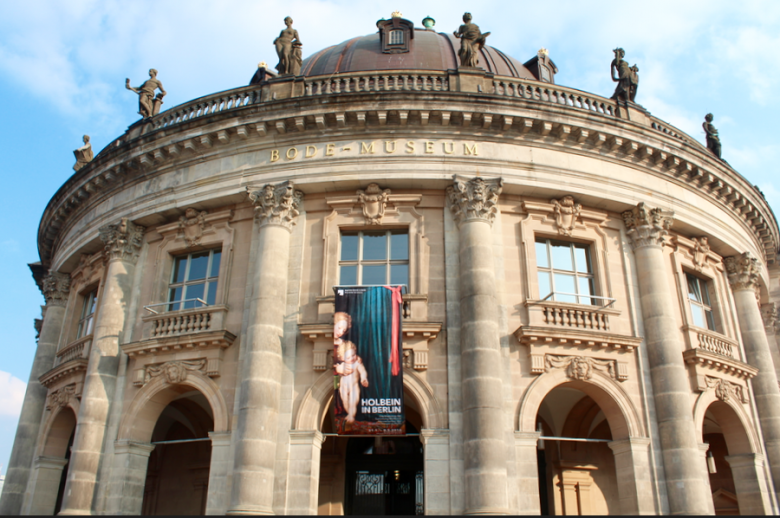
123 240
56 287
276 204
475 199
646 226
743 271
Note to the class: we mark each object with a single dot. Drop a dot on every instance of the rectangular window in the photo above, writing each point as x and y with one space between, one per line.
194 279
87 314
374 258
699 299
396 37
564 270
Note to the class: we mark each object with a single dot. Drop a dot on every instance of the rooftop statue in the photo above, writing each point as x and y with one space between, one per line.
288 48
713 139
148 104
471 42
84 154
627 78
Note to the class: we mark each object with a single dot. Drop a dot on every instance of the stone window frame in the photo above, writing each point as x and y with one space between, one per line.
90 318
208 280
72 317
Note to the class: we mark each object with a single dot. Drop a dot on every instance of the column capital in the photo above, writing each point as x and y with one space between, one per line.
276 204
220 438
56 287
435 436
769 316
307 437
122 240
743 271
745 459
647 226
50 462
640 444
475 199
136 448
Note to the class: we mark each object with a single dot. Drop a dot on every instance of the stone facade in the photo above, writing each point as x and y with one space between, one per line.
614 373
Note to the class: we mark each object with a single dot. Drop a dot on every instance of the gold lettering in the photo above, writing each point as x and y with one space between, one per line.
389 149
274 155
452 148
429 147
410 147
366 149
310 151
330 149
294 151
470 150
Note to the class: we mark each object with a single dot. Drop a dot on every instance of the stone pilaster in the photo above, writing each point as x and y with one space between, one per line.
56 287
276 209
304 471
122 246
125 493
526 445
747 470
686 480
436 470
743 272
44 485
635 484
474 204
217 500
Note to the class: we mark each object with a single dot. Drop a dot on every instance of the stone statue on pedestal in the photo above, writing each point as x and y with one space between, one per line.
713 140
627 77
84 154
471 42
288 48
148 104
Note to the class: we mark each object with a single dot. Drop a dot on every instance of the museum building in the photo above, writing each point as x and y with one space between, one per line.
589 319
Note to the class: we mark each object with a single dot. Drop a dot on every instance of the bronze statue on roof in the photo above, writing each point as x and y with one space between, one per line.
471 42
713 139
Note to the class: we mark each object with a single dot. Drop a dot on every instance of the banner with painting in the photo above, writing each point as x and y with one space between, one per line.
367 361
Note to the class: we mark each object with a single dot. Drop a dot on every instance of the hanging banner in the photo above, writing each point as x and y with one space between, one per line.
367 357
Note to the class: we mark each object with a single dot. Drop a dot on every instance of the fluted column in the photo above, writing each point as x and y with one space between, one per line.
686 480
743 272
122 244
276 208
474 206
55 290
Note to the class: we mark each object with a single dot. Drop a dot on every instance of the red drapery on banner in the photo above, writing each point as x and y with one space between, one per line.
394 355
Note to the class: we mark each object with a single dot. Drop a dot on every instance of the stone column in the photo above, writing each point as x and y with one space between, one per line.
276 208
125 493
44 485
55 290
474 206
632 466
217 500
686 480
743 272
122 243
436 470
526 444
304 472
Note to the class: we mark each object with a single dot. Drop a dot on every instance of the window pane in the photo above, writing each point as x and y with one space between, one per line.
705 292
198 264
92 302
582 259
565 284
586 288
374 274
179 267
698 317
212 297
561 258
349 248
88 326
215 260
544 284
348 276
399 274
374 247
710 320
194 291
541 255
174 295
399 246
693 288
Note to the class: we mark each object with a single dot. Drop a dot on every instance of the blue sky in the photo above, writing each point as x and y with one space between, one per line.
63 66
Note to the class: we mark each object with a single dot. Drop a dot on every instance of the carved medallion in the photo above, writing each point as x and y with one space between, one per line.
700 250
373 201
192 225
566 214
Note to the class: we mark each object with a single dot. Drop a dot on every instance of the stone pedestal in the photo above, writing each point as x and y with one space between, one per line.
526 444
747 470
261 376
217 500
635 484
44 485
304 471
743 272
473 204
686 479
123 242
55 290
125 493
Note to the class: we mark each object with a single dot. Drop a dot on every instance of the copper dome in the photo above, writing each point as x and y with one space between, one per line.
428 50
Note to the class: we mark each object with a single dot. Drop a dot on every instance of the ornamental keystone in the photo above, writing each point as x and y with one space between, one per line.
475 199
646 226
123 240
276 204
743 271
56 287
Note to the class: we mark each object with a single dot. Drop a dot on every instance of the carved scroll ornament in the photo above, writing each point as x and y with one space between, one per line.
56 287
122 240
276 204
743 271
646 226
566 214
192 225
175 372
373 200
475 199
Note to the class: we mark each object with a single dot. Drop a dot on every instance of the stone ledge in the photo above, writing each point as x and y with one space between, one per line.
184 342
60 371
706 363
555 336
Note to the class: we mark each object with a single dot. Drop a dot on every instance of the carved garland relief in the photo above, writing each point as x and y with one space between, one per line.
726 390
61 397
175 372
583 367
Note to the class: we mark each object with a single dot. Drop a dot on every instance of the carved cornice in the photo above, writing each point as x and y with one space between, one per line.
194 341
56 288
77 368
647 226
556 336
122 240
276 204
707 363
743 271
475 199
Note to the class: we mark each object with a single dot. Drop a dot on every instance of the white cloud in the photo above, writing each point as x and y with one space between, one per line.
11 395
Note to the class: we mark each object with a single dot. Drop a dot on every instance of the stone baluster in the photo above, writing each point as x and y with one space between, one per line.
122 245
56 287
743 273
276 209
686 480
474 207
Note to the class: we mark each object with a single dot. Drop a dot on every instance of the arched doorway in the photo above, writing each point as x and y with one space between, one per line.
177 475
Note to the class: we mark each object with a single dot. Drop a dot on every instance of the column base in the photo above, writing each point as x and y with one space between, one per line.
75 512
487 510
250 510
